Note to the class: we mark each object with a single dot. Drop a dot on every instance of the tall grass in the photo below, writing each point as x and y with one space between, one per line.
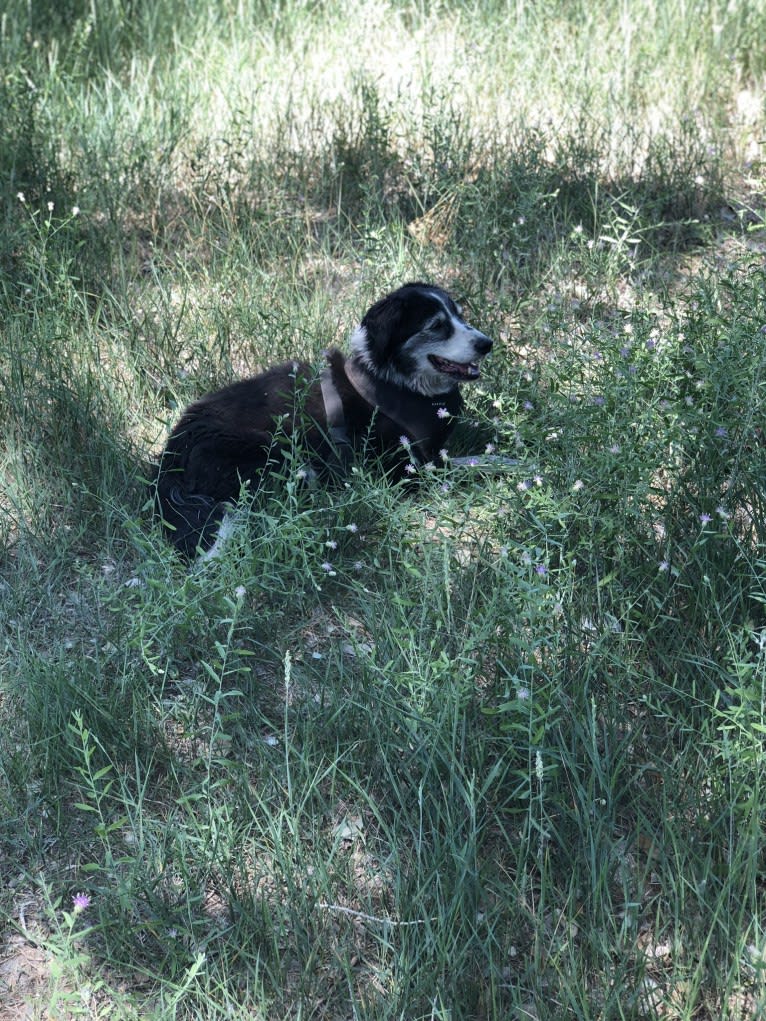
491 748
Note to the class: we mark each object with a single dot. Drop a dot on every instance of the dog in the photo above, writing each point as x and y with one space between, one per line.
394 398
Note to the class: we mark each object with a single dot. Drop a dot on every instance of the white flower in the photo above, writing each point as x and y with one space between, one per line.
578 485
410 468
21 196
352 527
50 207
240 591
75 210
442 413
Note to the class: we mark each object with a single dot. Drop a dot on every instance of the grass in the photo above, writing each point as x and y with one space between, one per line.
488 749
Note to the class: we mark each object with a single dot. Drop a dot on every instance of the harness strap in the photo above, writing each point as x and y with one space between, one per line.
336 420
390 399
408 410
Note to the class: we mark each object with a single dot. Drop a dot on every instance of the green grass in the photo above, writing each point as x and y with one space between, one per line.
490 749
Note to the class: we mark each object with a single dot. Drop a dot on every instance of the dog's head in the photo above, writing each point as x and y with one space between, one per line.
417 337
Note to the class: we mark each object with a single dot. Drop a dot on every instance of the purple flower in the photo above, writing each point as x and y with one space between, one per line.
410 468
327 567
721 431
599 401
80 902
528 406
705 519
664 565
541 569
405 442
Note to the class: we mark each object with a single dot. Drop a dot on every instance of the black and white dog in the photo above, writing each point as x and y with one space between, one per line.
394 398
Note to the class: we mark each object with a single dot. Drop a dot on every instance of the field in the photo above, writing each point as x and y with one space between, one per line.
491 747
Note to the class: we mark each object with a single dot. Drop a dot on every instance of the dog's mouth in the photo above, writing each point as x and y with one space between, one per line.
461 370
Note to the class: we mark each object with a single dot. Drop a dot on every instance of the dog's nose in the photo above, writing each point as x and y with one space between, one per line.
482 344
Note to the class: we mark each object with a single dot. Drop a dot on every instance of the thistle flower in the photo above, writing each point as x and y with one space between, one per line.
80 902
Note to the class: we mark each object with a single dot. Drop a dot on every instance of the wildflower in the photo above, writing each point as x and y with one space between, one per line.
352 527
688 400
705 519
625 351
410 468
699 180
240 591
80 902
444 454
327 567
490 448
615 448
75 210
722 512
522 486
599 401
528 406
664 565
445 487
539 769
301 474
405 442
651 344
358 565
523 694
721 431
542 570
331 544
50 207
442 413
538 480
578 485
21 196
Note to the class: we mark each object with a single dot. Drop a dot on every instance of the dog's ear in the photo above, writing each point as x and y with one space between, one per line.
381 324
